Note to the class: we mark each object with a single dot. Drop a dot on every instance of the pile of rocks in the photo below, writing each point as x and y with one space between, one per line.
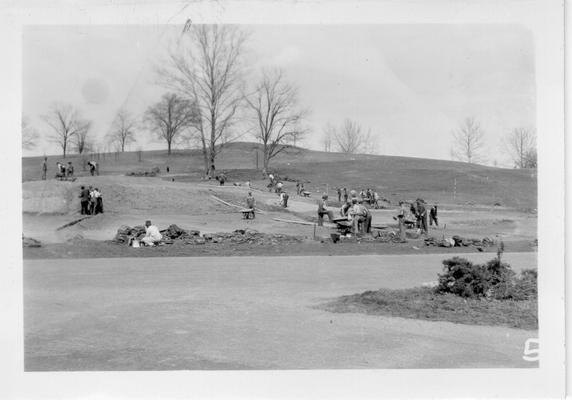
457 241
174 234
126 233
376 236
141 173
250 236
387 237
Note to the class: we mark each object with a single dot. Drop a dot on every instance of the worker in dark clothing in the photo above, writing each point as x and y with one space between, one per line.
421 216
433 216
44 168
69 170
339 194
84 200
345 194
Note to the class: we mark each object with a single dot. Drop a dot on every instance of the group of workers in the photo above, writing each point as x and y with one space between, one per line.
91 201
368 196
353 210
418 210
66 171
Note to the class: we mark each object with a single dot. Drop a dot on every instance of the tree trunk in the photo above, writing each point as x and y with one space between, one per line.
205 154
212 144
169 147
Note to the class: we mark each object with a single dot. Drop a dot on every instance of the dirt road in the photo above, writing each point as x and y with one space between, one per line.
243 313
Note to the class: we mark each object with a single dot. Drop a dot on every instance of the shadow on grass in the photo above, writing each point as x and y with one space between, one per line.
424 303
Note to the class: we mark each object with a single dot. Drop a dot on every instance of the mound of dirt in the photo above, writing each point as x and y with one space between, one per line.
120 194
48 197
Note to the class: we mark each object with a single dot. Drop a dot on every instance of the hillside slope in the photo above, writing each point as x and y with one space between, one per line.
395 178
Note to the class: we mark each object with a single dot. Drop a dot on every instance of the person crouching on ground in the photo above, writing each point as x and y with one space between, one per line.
323 210
152 234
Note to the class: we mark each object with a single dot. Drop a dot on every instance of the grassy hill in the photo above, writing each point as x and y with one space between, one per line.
395 178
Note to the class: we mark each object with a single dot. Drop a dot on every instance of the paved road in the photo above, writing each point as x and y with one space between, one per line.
243 313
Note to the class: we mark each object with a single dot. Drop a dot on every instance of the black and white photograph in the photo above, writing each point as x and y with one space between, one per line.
204 188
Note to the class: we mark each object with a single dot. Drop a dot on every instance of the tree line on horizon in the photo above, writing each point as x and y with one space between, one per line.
208 103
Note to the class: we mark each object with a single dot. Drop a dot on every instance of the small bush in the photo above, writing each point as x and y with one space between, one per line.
495 280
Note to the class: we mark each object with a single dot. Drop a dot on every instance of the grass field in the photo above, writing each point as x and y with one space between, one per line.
394 178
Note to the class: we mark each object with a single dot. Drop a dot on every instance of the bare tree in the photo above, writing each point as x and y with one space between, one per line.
277 118
206 68
65 122
519 143
81 139
468 141
328 133
369 143
170 117
530 159
29 134
349 138
122 130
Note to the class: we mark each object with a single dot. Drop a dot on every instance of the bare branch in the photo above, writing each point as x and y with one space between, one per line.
170 117
275 113
468 142
66 123
205 67
122 130
520 145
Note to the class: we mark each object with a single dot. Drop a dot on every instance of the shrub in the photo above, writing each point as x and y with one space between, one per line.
463 278
494 279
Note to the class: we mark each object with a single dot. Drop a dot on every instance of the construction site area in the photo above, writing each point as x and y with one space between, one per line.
477 209
222 290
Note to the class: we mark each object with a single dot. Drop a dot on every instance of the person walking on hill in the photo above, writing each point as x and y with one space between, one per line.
345 194
44 168
339 190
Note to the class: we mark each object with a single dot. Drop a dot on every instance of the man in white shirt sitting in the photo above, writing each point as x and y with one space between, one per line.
152 235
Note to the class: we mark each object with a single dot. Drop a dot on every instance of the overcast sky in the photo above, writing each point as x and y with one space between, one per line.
410 84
